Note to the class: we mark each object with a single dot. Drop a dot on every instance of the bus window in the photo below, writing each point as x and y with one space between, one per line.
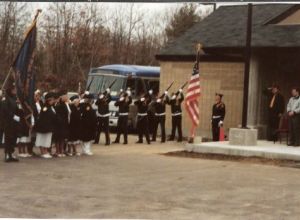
131 84
152 84
139 89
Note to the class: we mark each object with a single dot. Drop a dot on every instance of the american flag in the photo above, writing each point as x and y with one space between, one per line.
193 93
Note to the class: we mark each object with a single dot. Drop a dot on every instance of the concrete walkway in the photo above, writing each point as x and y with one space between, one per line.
264 149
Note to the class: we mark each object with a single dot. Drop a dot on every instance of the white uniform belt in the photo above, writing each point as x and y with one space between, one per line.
160 114
215 117
142 114
104 116
176 114
123 114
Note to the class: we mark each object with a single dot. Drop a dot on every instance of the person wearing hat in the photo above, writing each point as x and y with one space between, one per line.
11 121
45 125
142 117
63 113
175 102
122 125
88 123
160 116
218 115
276 108
103 116
74 126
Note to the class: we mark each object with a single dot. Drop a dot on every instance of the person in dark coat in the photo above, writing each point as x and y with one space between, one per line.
122 125
276 108
103 116
88 123
63 113
175 103
74 126
11 120
160 116
142 117
218 115
45 125
1 123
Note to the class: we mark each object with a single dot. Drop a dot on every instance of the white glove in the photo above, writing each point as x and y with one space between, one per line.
158 100
166 92
108 90
121 90
122 98
16 118
180 90
220 123
101 96
81 101
174 97
32 120
128 92
150 91
142 99
86 92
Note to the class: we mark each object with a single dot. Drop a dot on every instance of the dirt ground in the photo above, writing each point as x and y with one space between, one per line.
140 182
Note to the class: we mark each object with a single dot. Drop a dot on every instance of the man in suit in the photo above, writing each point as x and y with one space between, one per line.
276 108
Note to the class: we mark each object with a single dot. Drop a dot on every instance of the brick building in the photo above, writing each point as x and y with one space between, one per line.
275 58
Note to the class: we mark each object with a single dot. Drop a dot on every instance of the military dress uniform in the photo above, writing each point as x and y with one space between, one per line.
103 117
160 116
122 124
142 118
218 115
176 112
11 122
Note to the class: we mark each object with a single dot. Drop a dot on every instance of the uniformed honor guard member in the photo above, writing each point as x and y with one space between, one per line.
123 103
293 110
218 115
160 116
142 117
88 123
11 120
103 116
175 102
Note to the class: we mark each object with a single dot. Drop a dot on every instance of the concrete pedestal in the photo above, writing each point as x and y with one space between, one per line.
243 137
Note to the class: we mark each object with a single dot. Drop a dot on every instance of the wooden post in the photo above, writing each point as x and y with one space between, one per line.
247 58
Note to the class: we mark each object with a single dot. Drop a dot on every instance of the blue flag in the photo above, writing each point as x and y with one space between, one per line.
24 75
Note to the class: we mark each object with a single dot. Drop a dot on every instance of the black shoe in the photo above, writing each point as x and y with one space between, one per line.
291 144
148 142
163 141
139 142
170 139
11 159
116 142
125 142
107 144
180 140
153 140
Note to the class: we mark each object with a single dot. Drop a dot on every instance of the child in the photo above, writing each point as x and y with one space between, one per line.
74 126
88 123
45 125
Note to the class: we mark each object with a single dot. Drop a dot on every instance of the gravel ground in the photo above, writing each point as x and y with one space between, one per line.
139 181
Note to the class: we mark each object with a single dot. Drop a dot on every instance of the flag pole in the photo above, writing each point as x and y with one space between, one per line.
6 78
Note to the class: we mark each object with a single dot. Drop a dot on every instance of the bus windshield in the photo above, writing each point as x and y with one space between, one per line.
98 83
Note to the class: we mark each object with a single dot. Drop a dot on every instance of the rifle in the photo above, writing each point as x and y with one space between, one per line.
163 95
109 87
182 87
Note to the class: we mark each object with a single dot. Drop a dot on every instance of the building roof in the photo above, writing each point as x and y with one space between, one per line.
226 28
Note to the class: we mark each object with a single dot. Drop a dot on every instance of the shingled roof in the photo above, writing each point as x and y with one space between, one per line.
226 28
